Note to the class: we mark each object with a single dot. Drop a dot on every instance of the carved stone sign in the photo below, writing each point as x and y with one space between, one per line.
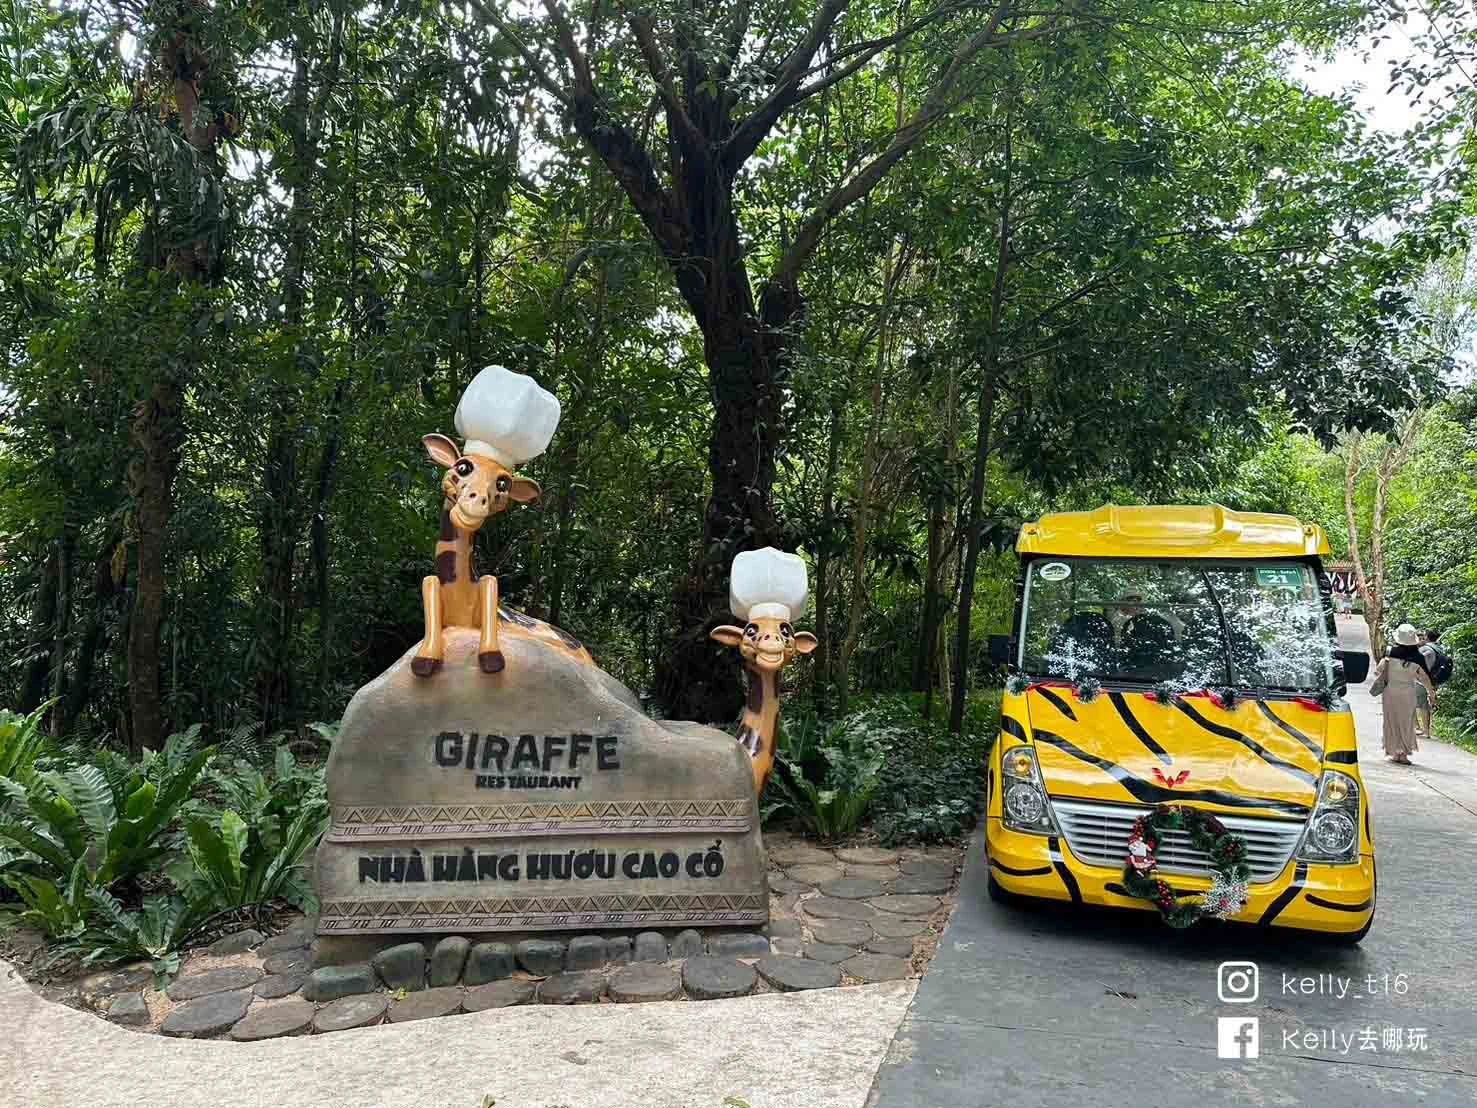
534 798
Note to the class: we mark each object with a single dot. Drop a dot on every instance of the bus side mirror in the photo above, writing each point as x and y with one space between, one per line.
1350 666
1000 652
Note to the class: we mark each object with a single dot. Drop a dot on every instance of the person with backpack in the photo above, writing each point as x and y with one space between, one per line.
1439 666
1400 679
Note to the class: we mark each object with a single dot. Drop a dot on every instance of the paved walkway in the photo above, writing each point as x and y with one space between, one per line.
1040 1007
781 1050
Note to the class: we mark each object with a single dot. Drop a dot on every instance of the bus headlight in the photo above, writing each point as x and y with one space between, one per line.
1333 831
1024 795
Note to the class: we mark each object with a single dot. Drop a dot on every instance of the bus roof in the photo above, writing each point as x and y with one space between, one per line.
1199 531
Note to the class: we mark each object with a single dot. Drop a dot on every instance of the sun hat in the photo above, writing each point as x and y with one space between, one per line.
1405 635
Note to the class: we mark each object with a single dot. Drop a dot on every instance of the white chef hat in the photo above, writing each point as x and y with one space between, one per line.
768 583
506 416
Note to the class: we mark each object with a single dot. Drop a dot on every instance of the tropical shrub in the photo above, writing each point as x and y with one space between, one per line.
932 780
825 776
22 742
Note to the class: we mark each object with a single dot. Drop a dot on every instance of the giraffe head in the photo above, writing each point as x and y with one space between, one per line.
766 643
476 486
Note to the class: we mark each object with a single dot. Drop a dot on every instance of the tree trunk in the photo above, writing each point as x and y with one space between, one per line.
988 381
862 519
321 541
43 624
158 434
104 588
823 674
699 679
158 428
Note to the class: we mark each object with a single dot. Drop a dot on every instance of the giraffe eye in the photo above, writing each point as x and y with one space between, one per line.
787 631
463 468
502 484
750 631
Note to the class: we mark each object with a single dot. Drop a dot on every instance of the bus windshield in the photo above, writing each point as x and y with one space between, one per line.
1187 623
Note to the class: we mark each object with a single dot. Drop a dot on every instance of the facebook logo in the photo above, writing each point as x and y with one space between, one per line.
1238 1036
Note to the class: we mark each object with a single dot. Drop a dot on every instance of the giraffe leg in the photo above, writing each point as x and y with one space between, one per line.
489 657
428 658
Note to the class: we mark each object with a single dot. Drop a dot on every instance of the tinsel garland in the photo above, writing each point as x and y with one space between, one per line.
1227 852
1086 689
1017 683
1163 693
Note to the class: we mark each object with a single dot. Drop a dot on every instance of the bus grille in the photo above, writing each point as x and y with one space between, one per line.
1098 834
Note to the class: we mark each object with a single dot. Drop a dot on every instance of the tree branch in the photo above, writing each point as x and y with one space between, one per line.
678 121
535 63
584 80
937 104
751 132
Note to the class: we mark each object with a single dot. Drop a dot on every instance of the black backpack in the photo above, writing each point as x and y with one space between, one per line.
1441 668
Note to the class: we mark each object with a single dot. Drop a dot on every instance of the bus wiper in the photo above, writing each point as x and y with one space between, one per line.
1220 615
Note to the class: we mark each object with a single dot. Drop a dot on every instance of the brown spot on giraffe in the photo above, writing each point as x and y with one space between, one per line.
446 566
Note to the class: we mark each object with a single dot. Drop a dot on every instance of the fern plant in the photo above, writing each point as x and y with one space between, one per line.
68 834
154 933
234 863
22 742
834 806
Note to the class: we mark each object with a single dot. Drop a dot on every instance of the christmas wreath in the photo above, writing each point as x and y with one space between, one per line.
1227 852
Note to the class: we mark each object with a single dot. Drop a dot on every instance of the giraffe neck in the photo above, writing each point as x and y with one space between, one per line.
454 553
761 713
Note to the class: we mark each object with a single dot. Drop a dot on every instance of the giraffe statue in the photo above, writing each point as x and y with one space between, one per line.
505 419
768 589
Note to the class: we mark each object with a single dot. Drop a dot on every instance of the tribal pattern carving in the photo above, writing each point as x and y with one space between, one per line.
538 913
485 821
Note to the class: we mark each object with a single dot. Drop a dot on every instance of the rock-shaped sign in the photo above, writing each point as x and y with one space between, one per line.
535 798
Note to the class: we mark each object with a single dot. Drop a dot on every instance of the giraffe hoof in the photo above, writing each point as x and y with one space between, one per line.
491 661
424 667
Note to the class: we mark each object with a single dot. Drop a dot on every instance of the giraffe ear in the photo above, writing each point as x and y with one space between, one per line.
805 642
441 449
727 635
523 490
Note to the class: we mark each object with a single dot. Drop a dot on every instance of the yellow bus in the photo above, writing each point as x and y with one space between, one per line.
1175 677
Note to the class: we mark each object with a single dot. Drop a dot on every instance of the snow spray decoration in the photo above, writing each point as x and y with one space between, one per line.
1086 689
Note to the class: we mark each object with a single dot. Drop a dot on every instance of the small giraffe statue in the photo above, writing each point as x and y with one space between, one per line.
768 589
504 419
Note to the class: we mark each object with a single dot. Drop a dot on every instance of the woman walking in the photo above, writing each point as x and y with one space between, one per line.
1402 680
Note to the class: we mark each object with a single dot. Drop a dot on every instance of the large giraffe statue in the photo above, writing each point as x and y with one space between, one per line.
505 419
769 588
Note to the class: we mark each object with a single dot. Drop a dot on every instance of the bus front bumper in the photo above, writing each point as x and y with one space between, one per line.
1308 896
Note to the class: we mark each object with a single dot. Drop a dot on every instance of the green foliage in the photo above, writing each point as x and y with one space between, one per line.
155 932
22 742
85 840
249 850
915 780
826 774
107 820
931 787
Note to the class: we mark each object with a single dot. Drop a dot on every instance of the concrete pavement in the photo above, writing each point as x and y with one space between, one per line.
1038 1006
780 1050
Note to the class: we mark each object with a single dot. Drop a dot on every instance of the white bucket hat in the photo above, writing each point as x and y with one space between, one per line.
1405 635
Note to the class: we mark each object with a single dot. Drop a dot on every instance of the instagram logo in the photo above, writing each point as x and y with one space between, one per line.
1238 982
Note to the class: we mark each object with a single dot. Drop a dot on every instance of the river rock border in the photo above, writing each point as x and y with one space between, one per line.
838 917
